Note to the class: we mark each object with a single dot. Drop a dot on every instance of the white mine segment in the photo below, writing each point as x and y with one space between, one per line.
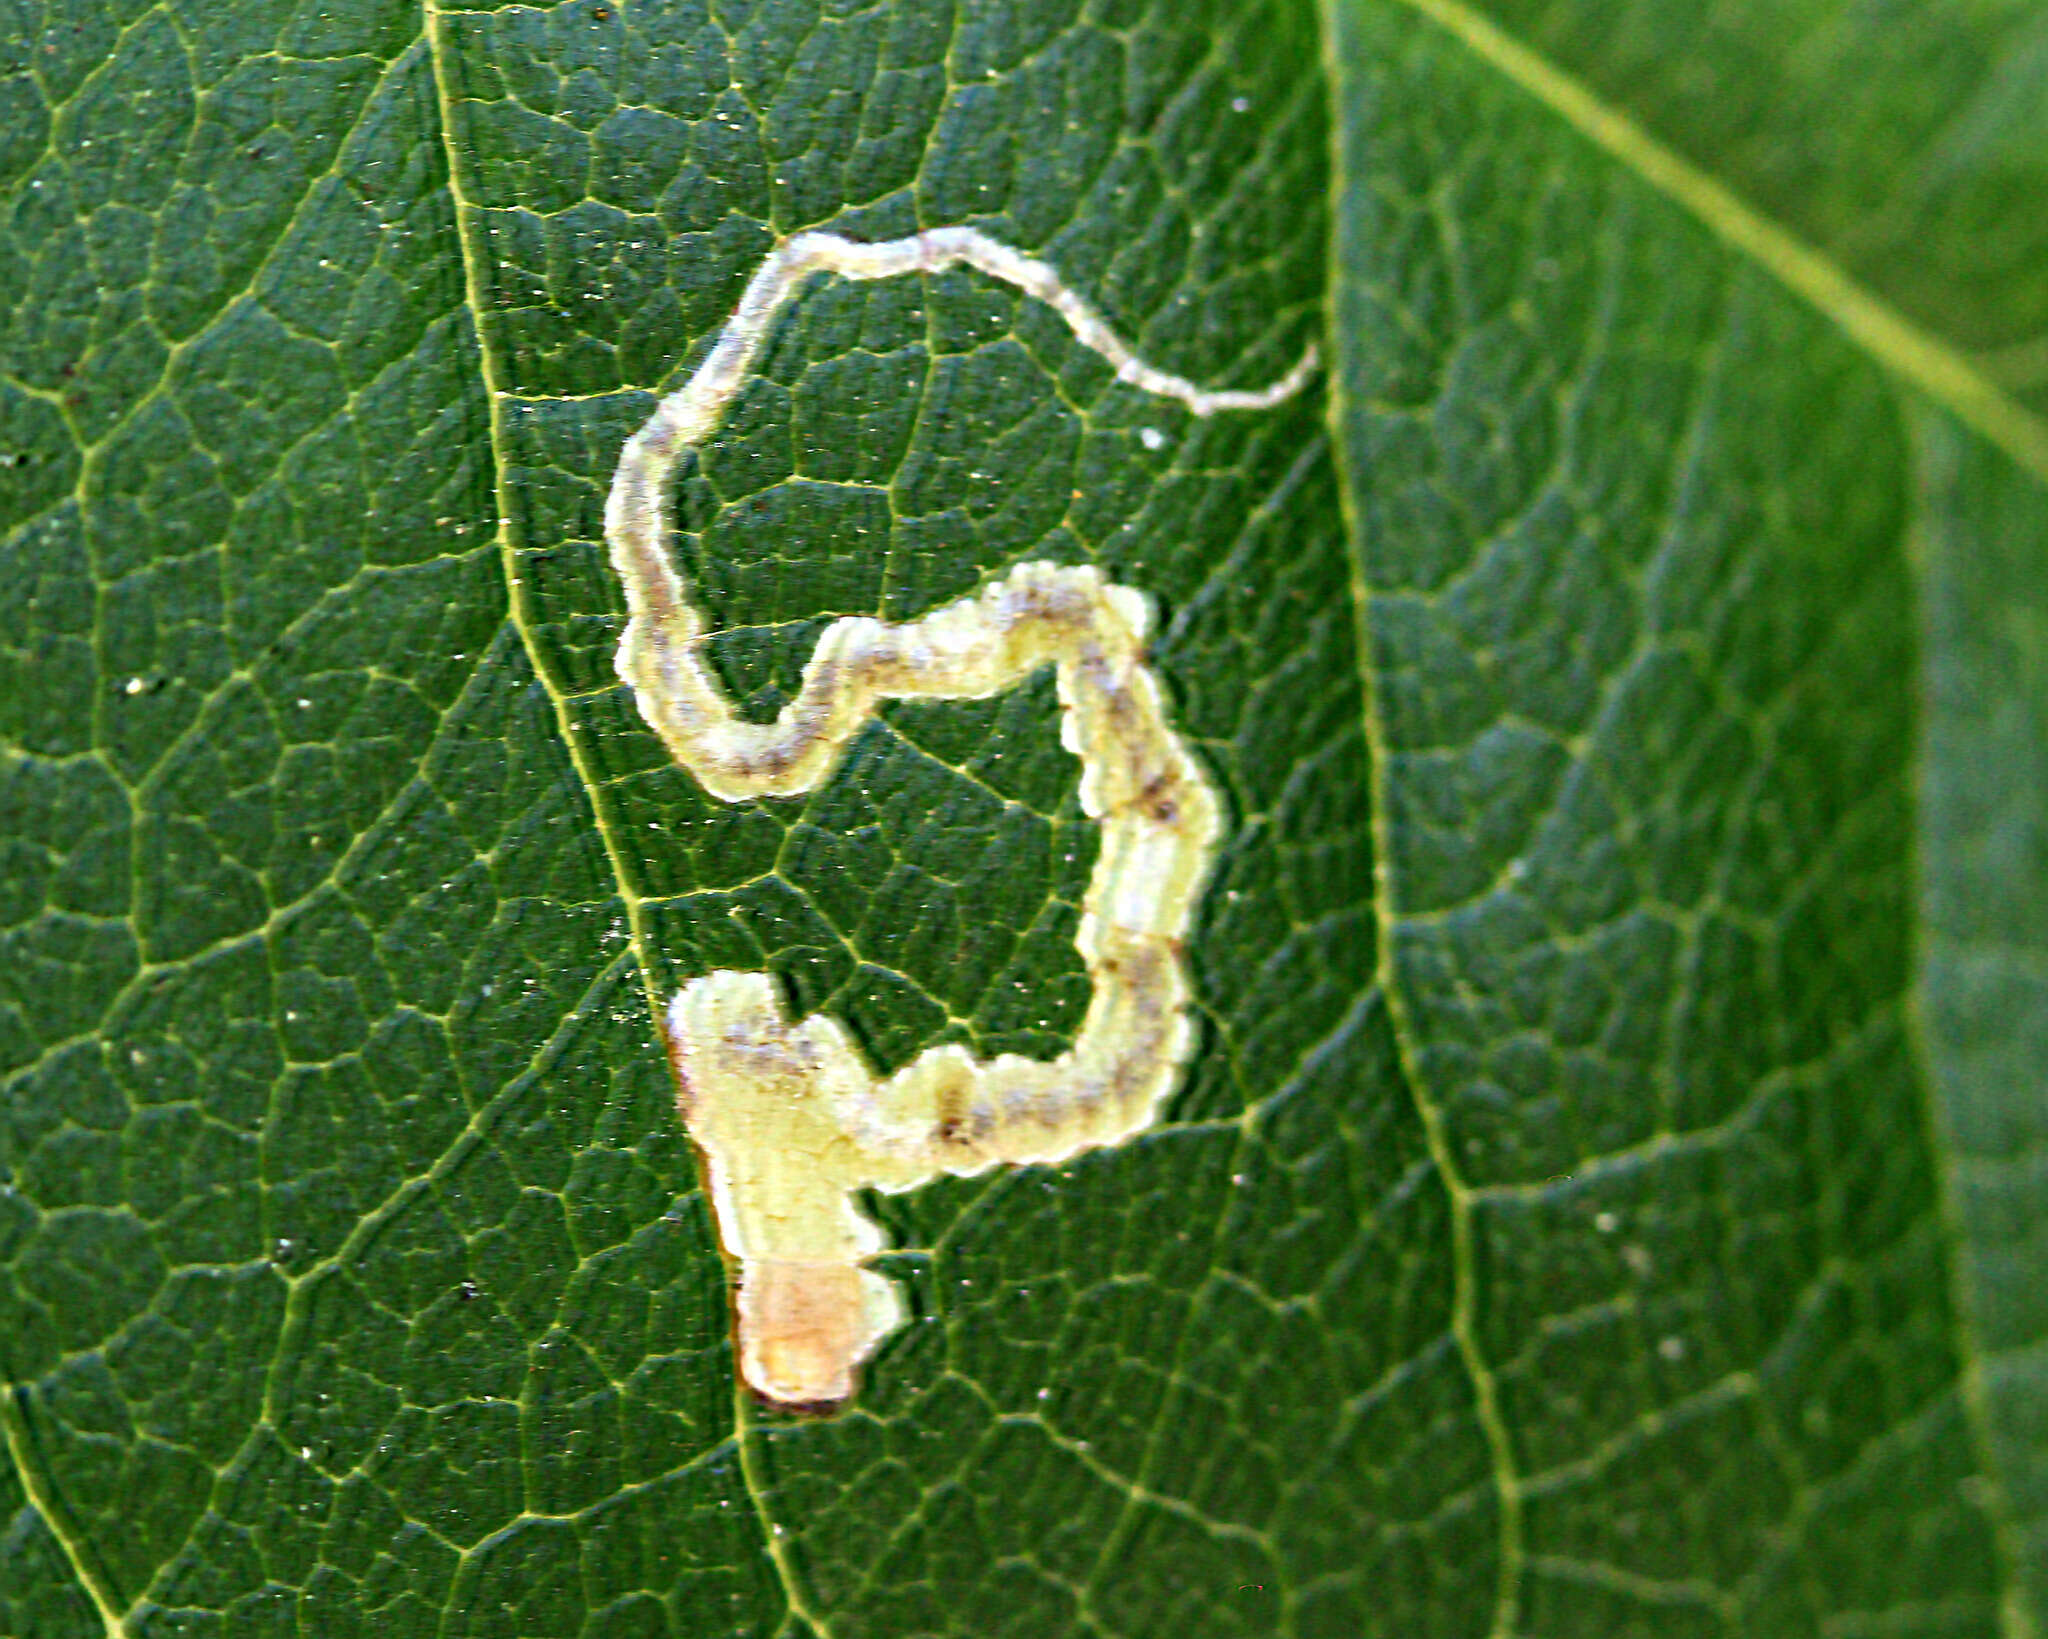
789 1114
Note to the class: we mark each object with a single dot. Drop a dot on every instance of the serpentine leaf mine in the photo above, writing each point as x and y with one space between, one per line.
790 1117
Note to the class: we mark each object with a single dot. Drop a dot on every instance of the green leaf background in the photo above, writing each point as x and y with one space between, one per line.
1610 1195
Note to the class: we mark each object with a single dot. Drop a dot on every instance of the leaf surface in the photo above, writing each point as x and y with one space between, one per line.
1567 1242
1907 143
332 1077
1704 616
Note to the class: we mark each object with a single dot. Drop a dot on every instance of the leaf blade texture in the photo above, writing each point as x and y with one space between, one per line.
1602 1200
1759 375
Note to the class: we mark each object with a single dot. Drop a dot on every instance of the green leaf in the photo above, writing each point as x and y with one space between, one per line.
1626 1222
1706 601
1906 143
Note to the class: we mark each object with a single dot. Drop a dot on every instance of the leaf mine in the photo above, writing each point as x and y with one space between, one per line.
790 1117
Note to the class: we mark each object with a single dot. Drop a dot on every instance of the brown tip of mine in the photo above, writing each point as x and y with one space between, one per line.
802 1327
